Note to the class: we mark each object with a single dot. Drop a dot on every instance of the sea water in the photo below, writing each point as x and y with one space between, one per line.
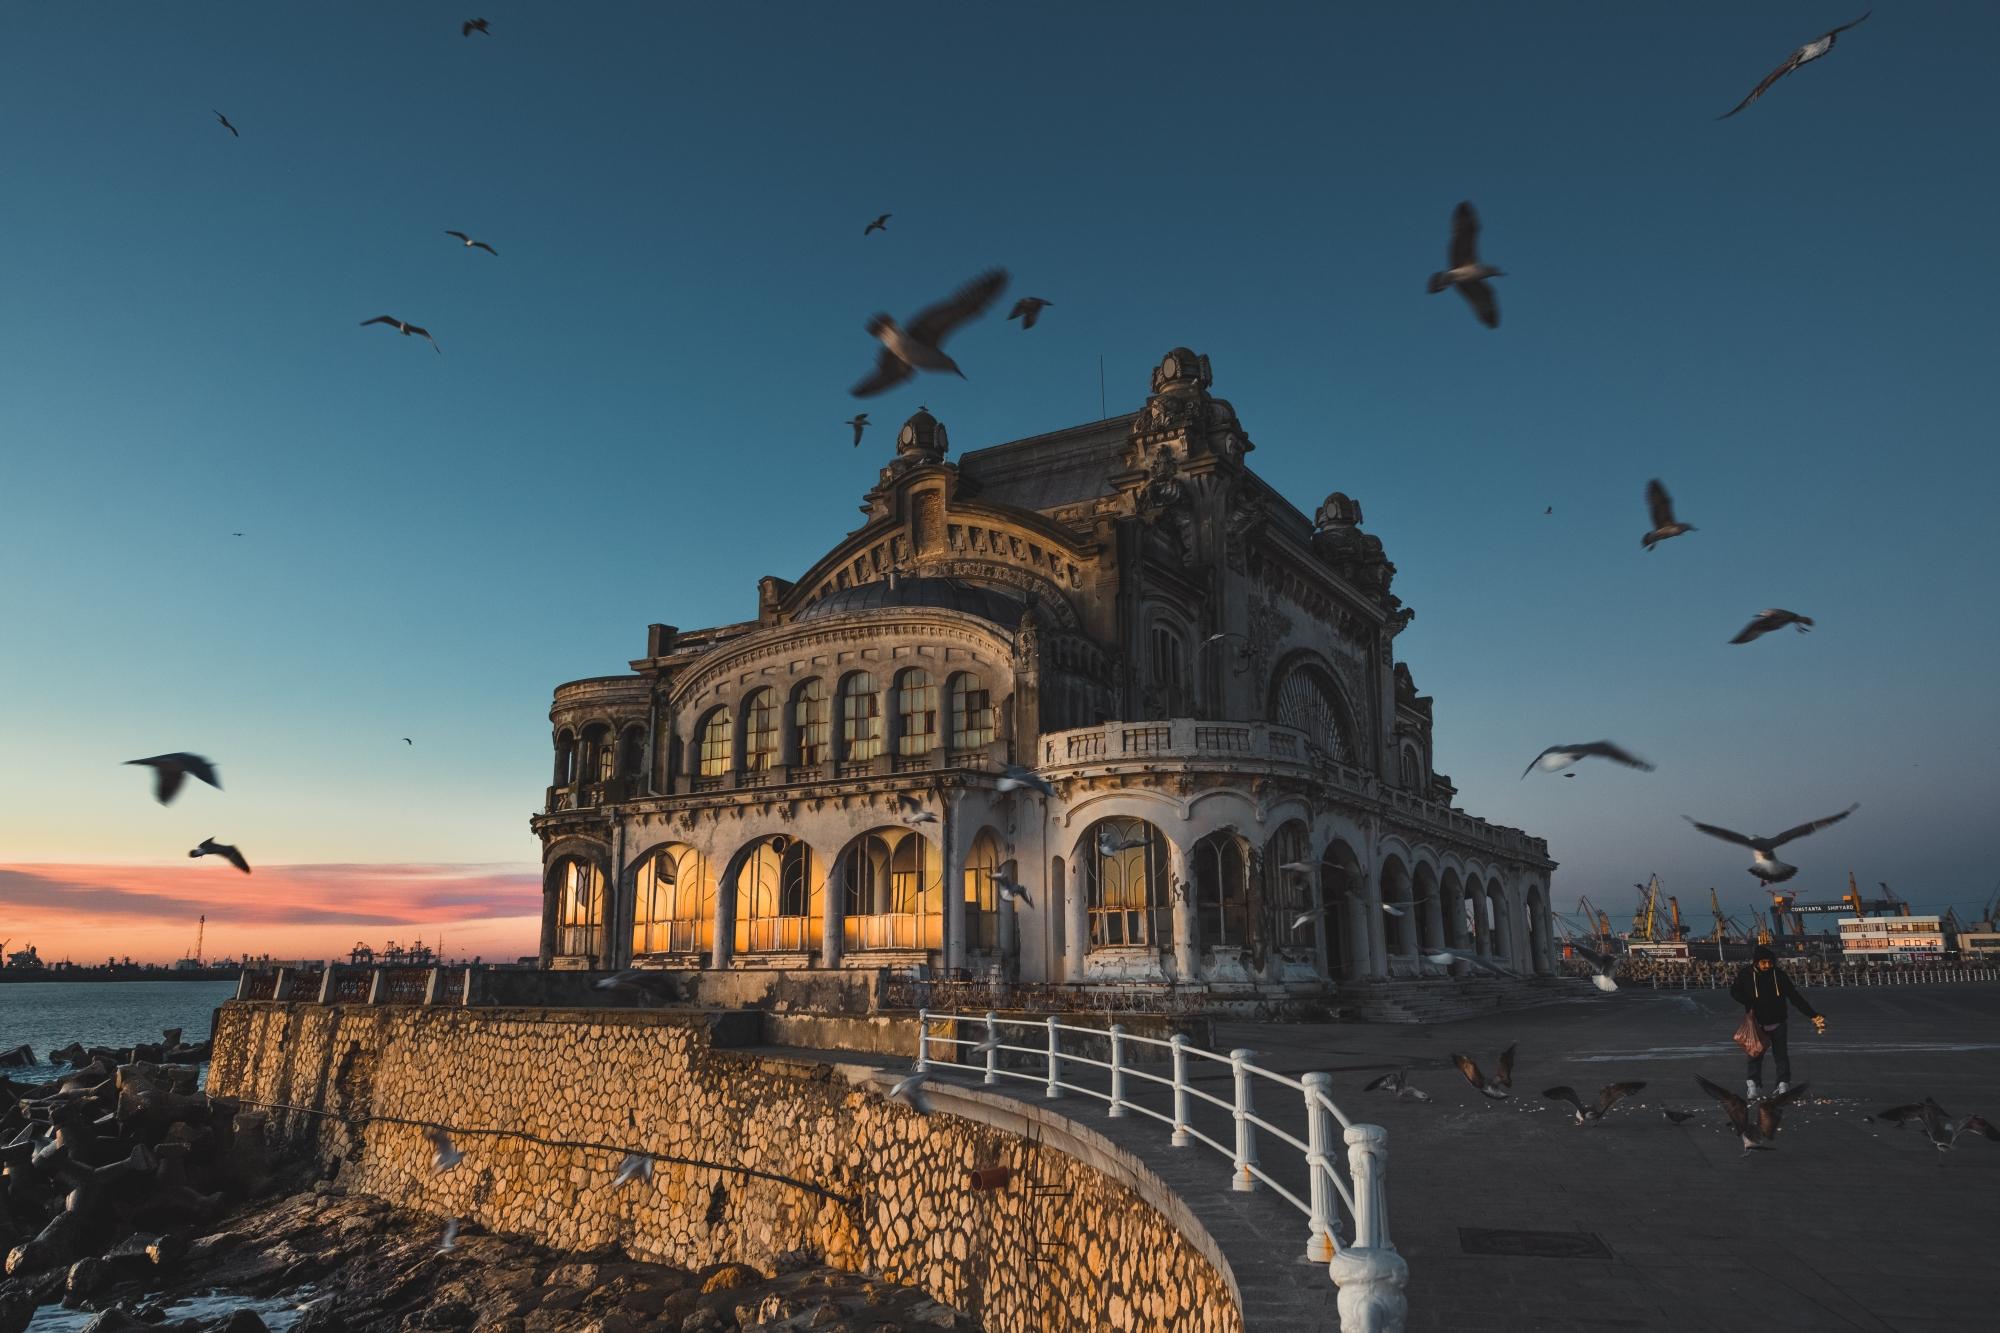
48 1014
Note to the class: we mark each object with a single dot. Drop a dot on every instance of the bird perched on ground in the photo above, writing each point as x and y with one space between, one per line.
406 329
1028 309
443 1156
1562 756
1938 1124
1398 1084
1769 620
1602 962
636 1166
1007 886
1499 1086
170 770
471 244
226 125
1763 864
910 1092
210 847
1756 1133
879 224
1466 272
905 351
1606 1096
1676 1117
449 1241
1805 55
912 810
860 423
471 26
1660 506
1015 776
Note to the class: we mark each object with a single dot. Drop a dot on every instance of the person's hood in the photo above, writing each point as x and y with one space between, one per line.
1761 954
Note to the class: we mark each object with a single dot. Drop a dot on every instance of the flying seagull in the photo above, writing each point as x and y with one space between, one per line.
471 244
471 26
1938 1125
1307 917
1028 309
1562 756
879 224
1299 868
450 1239
170 770
210 847
910 1092
636 1166
443 1156
408 741
1467 273
1676 1117
1771 619
1764 865
659 985
913 811
1661 506
1007 886
1496 1087
1446 957
406 329
1016 776
226 125
1805 55
1604 965
1397 1083
1110 844
860 423
1590 1115
1756 1134
905 351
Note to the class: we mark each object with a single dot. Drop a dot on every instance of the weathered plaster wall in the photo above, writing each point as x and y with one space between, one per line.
1067 1243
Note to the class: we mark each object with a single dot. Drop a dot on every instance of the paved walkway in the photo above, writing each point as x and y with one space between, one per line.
1639 1224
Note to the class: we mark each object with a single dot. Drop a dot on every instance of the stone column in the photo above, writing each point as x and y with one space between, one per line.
1433 927
1503 929
1076 927
1376 924
1180 887
723 947
1481 945
955 952
1322 924
832 912
616 951
551 913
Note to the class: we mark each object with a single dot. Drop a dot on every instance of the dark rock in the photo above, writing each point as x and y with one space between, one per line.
704 1320
18 1058
447 1314
87 1277
241 1321
116 1320
729 1277
17 1307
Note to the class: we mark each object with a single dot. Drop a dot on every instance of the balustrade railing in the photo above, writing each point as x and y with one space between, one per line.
1705 974
1055 1056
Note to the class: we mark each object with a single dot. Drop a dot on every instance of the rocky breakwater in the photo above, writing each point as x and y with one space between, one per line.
106 1174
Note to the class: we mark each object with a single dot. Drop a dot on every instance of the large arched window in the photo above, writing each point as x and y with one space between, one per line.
895 892
1308 699
916 713
565 758
1289 894
580 910
1222 890
599 759
715 744
674 903
1412 771
810 731
631 750
1124 865
982 920
777 902
860 718
1169 695
971 712
760 732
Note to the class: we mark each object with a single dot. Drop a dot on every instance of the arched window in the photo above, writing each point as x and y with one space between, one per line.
599 759
1289 894
971 712
1411 770
631 751
715 744
809 723
565 758
895 892
760 732
982 921
777 902
1222 890
1124 864
1170 681
860 718
580 913
1308 699
674 903
916 713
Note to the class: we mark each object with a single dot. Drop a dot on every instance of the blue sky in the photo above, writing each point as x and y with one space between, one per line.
1787 316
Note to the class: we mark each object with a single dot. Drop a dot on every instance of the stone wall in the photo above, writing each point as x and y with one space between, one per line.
1080 1237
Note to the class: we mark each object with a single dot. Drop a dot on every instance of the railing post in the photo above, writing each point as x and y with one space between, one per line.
992 1047
1182 1138
1319 1243
1054 1089
1369 1273
329 983
1117 1071
923 1040
1246 1133
377 983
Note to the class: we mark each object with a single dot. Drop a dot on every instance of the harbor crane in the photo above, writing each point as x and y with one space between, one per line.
1598 922
1643 918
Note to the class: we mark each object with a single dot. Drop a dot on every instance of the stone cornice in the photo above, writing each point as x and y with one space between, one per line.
916 624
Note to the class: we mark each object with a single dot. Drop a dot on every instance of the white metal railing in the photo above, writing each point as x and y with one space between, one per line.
1368 1270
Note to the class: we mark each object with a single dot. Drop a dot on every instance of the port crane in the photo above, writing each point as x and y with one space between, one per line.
1596 921
1643 918
1787 910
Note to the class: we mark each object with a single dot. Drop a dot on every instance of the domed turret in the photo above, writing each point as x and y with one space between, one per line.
922 438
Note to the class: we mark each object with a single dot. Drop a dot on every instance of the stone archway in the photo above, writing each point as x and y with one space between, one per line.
1344 890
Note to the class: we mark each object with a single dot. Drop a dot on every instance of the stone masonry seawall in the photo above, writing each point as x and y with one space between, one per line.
1065 1244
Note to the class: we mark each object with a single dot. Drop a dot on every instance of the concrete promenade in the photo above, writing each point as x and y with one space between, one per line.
1636 1223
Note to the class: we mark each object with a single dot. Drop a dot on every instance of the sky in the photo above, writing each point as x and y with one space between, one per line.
1786 316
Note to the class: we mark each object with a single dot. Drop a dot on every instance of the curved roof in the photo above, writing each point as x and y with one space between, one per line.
947 594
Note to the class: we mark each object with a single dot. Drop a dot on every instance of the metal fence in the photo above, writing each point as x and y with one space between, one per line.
1052 1054
1705 974
978 994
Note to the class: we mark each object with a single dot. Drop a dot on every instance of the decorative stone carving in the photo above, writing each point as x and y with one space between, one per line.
1166 507
1246 515
1354 555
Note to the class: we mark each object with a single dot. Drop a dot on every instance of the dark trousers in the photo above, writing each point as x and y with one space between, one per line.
1775 1037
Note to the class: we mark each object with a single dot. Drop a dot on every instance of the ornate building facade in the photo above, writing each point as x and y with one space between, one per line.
1244 801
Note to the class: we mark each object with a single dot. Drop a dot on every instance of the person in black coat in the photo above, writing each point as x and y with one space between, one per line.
1762 989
